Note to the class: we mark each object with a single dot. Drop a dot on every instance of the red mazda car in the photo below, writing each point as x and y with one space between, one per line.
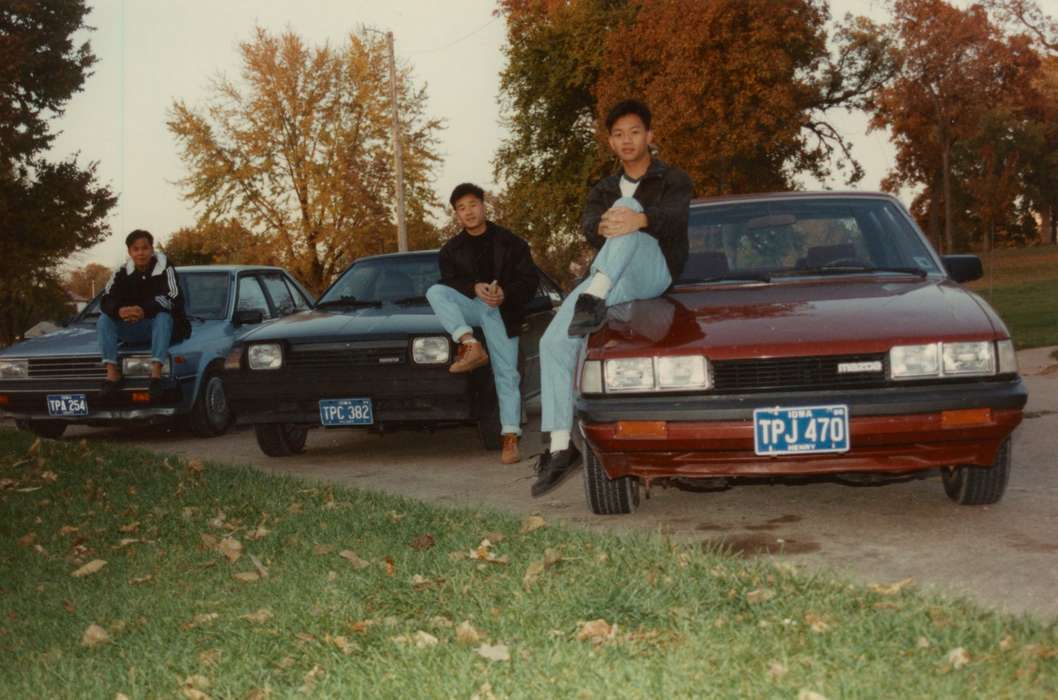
810 335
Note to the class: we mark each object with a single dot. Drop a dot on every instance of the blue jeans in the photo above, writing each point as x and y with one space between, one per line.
157 330
637 269
457 314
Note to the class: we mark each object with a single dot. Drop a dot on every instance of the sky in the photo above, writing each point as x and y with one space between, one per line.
152 52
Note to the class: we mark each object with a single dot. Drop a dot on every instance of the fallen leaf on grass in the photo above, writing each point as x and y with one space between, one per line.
484 693
34 448
259 566
816 623
261 616
532 573
140 579
351 556
200 620
394 516
922 643
892 588
286 662
49 476
230 548
246 576
27 539
494 652
341 643
125 542
209 541
390 566
1006 643
131 527
362 626
420 639
195 466
805 694
596 631
420 583
440 621
322 549
761 595
209 657
7 484
257 533
218 521
467 634
423 541
69 607
89 568
258 694
533 522
484 553
310 678
958 657
776 670
94 636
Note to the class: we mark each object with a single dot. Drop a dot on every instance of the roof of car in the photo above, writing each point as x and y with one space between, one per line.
225 268
827 194
431 251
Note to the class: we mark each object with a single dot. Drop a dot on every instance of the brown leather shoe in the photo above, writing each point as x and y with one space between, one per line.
470 357
510 454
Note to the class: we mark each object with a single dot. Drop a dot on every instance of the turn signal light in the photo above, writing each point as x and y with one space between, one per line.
4 400
966 416
141 397
642 429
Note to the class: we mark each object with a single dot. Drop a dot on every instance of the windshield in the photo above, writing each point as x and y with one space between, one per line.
205 295
385 279
763 239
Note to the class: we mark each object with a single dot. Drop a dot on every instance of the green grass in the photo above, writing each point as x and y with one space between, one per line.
690 623
1022 285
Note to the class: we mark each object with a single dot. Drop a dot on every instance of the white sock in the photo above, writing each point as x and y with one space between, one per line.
559 440
599 286
470 340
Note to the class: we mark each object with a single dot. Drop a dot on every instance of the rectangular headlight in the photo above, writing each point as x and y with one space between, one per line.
265 356
591 377
432 350
140 366
962 359
914 361
14 369
683 372
1008 359
629 374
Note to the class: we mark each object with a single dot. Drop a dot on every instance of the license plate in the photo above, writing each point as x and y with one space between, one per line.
800 430
67 405
346 412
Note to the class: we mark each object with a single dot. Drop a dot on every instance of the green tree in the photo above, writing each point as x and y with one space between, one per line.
299 153
48 210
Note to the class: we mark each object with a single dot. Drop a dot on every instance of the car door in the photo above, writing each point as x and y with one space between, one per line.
539 312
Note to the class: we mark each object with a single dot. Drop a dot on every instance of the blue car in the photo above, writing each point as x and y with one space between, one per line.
53 381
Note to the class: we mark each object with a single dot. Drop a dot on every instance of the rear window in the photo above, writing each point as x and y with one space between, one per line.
386 279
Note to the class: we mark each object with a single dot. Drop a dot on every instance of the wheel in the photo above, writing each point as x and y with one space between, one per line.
979 486
50 429
210 414
281 439
608 496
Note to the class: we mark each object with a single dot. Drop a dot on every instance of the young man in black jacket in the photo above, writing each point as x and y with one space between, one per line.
138 305
637 220
487 278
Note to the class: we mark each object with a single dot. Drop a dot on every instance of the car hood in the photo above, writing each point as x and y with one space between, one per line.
80 339
389 321
796 318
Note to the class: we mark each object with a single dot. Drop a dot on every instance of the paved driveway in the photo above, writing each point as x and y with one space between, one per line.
1005 556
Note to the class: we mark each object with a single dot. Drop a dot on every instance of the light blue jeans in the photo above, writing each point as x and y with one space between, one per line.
637 269
457 314
157 330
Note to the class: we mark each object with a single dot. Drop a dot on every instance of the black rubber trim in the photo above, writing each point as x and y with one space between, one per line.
888 401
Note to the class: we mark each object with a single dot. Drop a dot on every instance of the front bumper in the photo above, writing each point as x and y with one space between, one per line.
892 430
30 402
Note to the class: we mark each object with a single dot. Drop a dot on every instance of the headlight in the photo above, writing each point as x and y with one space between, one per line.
591 377
1008 359
630 374
961 359
914 361
432 350
265 356
683 372
140 366
14 369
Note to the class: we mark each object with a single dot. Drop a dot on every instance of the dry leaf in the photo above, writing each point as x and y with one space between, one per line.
310 678
69 607
362 626
596 631
776 670
1006 643
140 579
484 693
200 619
922 643
257 533
208 540
342 643
218 521
230 548
258 694
805 694
391 568
440 621
194 466
466 634
27 539
332 575
286 662
760 596
261 616
892 588
122 543
68 529
532 573
259 566
533 522
958 657
420 639
494 652
353 559
322 549
423 541
49 476
816 623
94 636
89 568
394 516
494 537
209 657
34 448
246 576
419 582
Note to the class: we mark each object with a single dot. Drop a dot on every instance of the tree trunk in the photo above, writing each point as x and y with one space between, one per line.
934 211
946 176
1046 224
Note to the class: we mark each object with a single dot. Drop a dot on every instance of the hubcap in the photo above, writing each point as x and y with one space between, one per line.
216 401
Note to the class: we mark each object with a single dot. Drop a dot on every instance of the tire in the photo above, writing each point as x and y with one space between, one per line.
211 414
280 439
608 496
979 486
50 429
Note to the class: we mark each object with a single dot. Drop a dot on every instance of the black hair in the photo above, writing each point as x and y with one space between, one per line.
463 190
625 107
137 235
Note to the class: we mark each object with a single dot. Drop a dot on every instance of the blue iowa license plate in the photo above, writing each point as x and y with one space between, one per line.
786 431
67 405
346 412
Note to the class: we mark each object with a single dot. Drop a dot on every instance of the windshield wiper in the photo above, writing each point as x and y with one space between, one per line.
852 270
420 299
349 302
734 277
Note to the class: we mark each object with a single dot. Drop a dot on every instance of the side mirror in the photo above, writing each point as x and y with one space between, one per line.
963 268
248 316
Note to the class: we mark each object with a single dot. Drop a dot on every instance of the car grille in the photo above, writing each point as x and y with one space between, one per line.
353 355
796 373
86 367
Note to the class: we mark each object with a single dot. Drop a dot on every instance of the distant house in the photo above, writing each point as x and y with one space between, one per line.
76 301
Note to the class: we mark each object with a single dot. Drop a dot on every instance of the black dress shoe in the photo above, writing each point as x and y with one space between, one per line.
110 389
553 469
589 313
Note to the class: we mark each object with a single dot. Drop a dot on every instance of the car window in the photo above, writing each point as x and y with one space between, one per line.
205 293
300 302
788 236
277 290
251 296
386 279
549 290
